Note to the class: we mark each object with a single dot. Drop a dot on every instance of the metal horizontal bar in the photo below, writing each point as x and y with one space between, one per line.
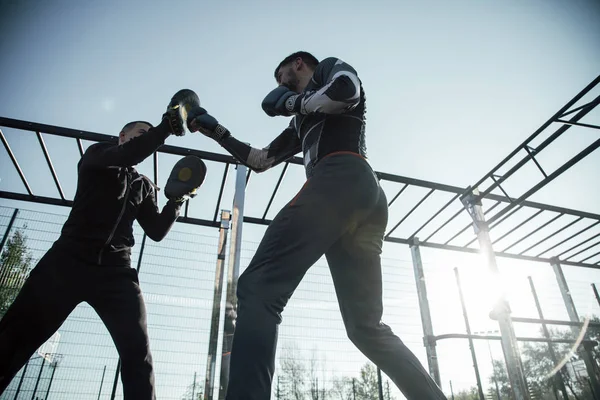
492 226
550 178
558 114
518 226
569 238
248 176
15 162
411 211
92 136
590 104
223 180
590 257
554 322
99 137
257 221
552 235
155 166
69 203
80 147
445 223
35 199
534 231
421 183
520 339
537 164
285 167
50 166
506 216
538 149
471 224
198 221
497 253
578 124
398 194
435 215
580 244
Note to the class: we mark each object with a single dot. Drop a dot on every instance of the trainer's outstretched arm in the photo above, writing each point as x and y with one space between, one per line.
133 152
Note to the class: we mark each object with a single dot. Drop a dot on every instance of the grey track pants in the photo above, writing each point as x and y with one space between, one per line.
341 212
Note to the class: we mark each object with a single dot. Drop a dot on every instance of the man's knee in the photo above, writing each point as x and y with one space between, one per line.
365 335
256 301
135 349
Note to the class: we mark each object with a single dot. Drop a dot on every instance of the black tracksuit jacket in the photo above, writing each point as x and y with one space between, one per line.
110 195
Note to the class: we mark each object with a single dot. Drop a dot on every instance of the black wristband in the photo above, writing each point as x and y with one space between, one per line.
220 133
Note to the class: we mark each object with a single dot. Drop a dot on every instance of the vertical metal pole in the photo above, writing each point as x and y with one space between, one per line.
233 272
429 338
116 381
590 364
596 293
101 382
21 380
353 388
194 386
216 311
8 228
451 390
37 381
501 312
379 384
51 380
559 376
142 247
468 328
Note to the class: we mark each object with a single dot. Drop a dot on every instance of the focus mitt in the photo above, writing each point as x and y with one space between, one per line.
186 177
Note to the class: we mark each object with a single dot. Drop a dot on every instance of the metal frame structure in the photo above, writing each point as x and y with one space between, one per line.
469 201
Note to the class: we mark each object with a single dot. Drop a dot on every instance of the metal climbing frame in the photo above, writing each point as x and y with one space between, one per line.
486 206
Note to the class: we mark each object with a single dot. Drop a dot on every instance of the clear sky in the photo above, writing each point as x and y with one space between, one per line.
452 87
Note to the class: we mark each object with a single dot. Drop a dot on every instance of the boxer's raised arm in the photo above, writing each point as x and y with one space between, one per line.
286 145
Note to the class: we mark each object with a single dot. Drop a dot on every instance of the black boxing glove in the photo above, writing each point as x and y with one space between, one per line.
200 120
281 101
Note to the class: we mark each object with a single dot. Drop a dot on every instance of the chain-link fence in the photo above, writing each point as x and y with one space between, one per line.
315 359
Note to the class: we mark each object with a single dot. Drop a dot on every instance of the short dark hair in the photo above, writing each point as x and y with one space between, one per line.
308 59
130 125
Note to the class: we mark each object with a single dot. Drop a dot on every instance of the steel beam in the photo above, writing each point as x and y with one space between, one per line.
516 374
432 359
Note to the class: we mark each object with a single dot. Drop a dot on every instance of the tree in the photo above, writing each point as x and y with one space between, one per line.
341 388
539 368
317 392
468 394
15 264
367 387
293 373
388 396
193 391
500 377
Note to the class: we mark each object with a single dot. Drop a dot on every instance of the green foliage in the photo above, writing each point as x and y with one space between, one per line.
542 376
469 394
15 263
193 391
